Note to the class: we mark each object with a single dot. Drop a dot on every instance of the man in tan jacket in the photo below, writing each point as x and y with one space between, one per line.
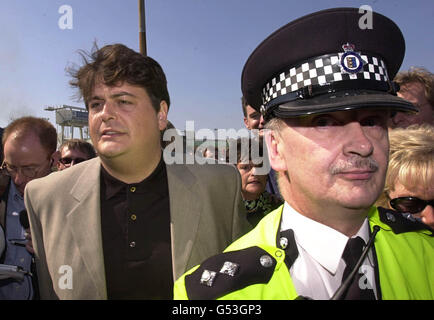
125 225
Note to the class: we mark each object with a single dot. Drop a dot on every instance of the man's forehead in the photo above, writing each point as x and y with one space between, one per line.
251 110
412 90
74 151
24 143
23 136
26 156
120 88
412 86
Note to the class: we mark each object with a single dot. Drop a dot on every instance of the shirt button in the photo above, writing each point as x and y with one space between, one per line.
133 217
132 244
133 189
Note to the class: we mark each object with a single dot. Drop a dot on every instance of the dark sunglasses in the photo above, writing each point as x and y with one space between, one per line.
410 204
68 160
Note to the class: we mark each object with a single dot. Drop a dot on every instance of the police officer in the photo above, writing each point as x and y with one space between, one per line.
324 87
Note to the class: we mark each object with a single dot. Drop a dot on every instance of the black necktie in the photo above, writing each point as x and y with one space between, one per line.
351 255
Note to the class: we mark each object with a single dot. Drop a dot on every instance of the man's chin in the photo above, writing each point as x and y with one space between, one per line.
109 151
358 203
357 198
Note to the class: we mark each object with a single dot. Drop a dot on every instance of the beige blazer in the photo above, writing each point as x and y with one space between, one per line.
206 211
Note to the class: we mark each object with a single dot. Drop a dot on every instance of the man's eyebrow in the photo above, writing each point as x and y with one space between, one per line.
94 98
116 95
122 93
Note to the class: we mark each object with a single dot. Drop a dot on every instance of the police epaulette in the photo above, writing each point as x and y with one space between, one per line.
229 272
400 222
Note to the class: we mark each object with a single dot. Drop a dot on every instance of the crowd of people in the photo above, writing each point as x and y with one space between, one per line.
346 211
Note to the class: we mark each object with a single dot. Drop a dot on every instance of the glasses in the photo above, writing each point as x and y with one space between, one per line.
29 172
410 204
67 160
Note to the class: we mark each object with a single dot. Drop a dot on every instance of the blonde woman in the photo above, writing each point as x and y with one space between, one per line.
409 184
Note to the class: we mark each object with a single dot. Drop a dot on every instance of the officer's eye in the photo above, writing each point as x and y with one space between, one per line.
324 121
372 121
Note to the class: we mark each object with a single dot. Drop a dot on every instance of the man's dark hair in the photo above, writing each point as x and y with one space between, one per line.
116 63
80 145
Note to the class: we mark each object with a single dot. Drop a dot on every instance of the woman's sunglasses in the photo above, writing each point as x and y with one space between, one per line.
68 160
410 204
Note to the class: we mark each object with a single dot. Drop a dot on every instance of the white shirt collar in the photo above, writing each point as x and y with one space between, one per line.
324 244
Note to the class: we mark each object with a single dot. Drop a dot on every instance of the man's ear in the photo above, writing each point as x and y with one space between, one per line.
162 115
55 157
274 147
246 123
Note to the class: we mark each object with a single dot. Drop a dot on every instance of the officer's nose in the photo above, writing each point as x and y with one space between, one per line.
357 142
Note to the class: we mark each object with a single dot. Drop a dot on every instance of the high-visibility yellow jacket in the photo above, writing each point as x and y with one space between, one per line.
259 266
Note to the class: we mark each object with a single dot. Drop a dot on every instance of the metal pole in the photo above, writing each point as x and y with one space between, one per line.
142 27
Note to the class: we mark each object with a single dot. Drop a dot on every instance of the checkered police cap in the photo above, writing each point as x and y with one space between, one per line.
325 62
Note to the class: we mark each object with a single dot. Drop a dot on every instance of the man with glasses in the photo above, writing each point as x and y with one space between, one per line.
29 146
74 151
416 86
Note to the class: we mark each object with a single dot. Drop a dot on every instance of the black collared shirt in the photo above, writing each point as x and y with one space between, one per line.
135 224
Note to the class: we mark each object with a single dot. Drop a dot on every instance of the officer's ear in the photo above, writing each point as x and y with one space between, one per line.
274 143
162 115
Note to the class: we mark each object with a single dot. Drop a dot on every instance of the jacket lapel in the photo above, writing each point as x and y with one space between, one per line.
84 221
185 208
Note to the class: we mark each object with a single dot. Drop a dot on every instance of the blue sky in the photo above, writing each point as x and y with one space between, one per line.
201 44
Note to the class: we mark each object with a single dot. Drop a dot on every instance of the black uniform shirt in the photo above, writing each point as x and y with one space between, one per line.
135 223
